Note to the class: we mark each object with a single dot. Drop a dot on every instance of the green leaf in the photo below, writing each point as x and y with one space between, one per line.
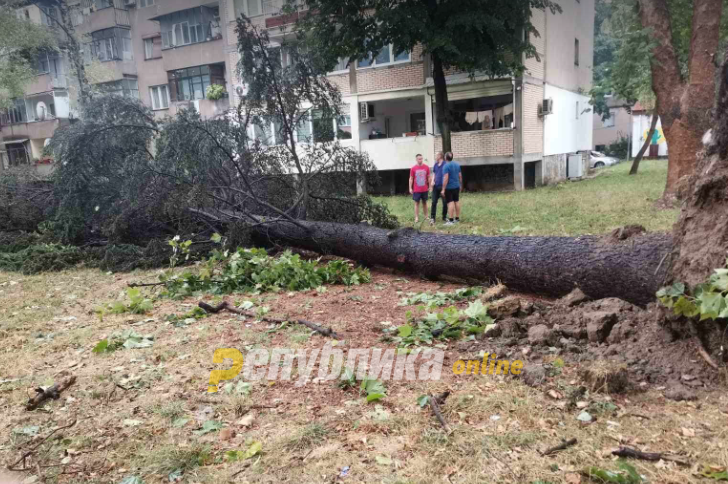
101 347
180 422
685 307
374 397
254 449
209 426
477 310
423 400
405 331
711 305
132 480
717 473
373 386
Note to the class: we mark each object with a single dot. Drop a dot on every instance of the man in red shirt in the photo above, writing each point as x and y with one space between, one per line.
419 186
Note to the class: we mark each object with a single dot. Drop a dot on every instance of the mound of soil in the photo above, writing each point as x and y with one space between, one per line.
606 330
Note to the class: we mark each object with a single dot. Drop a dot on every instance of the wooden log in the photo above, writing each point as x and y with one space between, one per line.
601 267
53 392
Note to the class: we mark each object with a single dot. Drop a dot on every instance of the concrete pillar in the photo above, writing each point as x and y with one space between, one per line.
518 168
539 173
519 174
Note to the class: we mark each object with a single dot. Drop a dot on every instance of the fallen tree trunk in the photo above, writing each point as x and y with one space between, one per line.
632 269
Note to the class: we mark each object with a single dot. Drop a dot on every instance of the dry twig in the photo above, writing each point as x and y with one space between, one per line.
225 306
562 446
30 452
53 392
651 456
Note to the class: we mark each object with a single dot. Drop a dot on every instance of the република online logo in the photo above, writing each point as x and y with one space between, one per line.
330 363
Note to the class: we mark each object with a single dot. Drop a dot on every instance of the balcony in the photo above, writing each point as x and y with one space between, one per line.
30 130
104 14
479 146
202 53
398 153
208 109
46 82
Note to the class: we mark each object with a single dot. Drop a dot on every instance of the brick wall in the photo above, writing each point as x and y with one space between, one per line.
397 76
472 144
532 123
342 82
534 68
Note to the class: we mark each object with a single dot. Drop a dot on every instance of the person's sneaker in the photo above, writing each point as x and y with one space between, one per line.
432 222
449 223
457 221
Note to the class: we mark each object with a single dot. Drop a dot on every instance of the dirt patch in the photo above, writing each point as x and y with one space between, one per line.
635 340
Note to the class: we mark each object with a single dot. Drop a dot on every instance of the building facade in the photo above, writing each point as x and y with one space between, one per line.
614 128
510 133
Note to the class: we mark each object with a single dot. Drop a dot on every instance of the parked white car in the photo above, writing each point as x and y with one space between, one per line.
598 159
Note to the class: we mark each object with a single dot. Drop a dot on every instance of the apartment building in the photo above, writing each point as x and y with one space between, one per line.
164 52
510 133
612 129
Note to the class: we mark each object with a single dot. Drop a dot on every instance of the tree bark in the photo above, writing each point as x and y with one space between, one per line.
632 270
684 105
441 102
645 145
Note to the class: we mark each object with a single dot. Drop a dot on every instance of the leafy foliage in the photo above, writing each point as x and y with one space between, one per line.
626 474
440 298
215 92
128 339
137 304
253 270
449 324
374 390
708 300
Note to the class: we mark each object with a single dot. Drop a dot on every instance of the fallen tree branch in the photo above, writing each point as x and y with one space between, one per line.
29 452
436 410
53 392
225 306
562 446
704 354
651 456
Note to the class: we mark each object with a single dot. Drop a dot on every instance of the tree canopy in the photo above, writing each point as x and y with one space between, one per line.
488 36
20 40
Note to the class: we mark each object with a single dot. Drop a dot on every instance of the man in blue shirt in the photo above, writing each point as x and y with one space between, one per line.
436 176
452 182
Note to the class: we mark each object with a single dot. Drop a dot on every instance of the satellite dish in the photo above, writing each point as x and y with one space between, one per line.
241 90
40 110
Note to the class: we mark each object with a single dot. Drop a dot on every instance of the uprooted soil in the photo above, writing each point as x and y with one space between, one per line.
143 412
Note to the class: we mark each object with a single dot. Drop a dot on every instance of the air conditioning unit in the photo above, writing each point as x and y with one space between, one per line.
241 90
366 111
129 3
546 108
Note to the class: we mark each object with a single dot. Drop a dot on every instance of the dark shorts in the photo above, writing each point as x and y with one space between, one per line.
420 196
452 195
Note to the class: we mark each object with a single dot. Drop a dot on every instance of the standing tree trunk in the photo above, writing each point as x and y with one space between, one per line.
441 102
645 145
684 105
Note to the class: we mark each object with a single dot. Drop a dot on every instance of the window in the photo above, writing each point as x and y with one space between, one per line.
17 154
342 65
153 48
388 55
146 3
103 3
576 52
124 87
16 113
577 109
110 44
192 83
160 97
189 26
47 14
609 122
251 8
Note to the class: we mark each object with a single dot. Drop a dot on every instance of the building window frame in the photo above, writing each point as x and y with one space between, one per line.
610 122
576 52
392 56
159 96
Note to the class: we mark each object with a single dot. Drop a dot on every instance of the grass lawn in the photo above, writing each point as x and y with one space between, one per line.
593 206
